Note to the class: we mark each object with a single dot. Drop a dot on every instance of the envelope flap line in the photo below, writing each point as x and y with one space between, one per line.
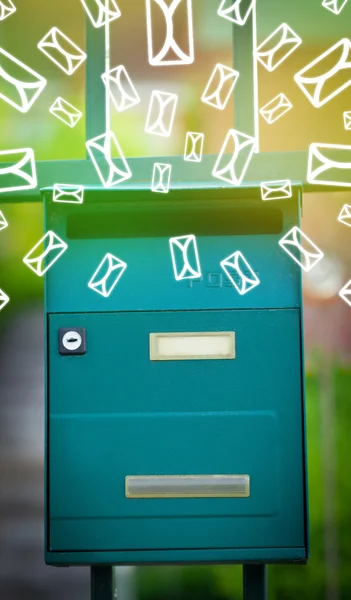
239 257
342 63
16 168
326 162
296 243
170 43
23 84
54 43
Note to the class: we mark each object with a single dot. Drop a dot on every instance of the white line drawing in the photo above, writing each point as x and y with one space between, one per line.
22 170
120 88
194 144
240 273
21 91
68 193
347 120
241 147
293 242
345 293
185 257
4 299
324 169
345 215
276 190
169 11
66 112
3 222
236 11
101 12
320 89
7 8
107 275
276 108
220 86
62 51
161 178
101 150
335 6
53 246
278 47
161 113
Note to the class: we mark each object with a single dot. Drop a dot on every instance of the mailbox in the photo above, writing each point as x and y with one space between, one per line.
175 417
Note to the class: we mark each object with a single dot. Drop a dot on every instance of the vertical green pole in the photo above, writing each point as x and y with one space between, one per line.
255 582
95 102
103 583
246 90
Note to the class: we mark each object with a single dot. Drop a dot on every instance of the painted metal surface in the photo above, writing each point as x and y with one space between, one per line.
113 412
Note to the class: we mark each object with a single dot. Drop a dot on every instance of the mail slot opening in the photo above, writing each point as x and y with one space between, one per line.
211 220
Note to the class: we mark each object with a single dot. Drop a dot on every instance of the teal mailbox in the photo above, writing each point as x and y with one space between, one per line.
175 408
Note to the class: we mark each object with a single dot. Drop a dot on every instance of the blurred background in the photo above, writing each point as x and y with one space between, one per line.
23 574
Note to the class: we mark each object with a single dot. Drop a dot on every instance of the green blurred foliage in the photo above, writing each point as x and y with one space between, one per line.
285 582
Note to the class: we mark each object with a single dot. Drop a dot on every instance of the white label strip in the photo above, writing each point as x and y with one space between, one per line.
187 486
192 345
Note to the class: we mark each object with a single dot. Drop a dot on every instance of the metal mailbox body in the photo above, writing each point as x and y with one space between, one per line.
113 413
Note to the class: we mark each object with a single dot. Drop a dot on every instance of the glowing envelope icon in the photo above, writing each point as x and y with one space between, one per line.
4 299
185 257
107 275
240 273
45 253
240 148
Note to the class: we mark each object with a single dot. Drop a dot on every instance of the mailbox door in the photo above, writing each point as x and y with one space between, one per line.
114 413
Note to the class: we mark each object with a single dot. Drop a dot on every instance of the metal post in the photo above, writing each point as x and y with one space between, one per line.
255 582
103 583
95 100
246 115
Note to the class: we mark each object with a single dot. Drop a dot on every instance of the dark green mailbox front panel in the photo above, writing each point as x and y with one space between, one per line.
115 413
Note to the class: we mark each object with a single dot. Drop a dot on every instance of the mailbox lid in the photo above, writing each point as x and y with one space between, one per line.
114 413
137 231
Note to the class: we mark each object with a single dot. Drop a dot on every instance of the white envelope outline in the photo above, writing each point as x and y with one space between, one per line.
73 59
324 164
345 293
311 258
3 222
27 160
107 11
23 89
102 144
276 190
110 266
169 10
276 108
37 263
68 193
347 120
232 10
333 5
194 143
305 82
4 299
160 102
287 36
185 270
161 178
241 267
128 95
345 215
7 8
213 96
228 172
66 112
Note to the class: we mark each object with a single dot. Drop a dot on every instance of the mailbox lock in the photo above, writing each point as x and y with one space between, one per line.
72 341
